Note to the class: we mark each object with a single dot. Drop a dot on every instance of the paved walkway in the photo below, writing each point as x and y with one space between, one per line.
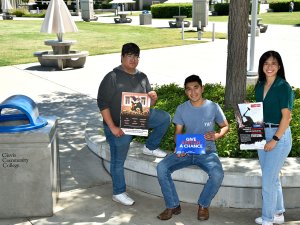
70 95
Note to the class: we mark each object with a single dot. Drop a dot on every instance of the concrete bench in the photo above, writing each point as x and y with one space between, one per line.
261 27
174 24
75 59
106 10
7 16
122 20
241 187
73 54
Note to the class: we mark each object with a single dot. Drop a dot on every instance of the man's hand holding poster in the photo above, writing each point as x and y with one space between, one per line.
190 144
135 110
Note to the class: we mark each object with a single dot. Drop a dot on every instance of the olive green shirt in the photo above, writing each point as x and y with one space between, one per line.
279 96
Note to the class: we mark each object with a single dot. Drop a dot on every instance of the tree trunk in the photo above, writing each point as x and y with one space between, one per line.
236 74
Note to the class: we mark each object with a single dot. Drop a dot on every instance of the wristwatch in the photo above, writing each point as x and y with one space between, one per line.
275 138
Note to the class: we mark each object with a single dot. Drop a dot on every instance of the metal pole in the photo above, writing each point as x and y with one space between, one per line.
253 32
182 30
77 8
213 32
199 35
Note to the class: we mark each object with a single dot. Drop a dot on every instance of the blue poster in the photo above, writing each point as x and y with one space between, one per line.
190 144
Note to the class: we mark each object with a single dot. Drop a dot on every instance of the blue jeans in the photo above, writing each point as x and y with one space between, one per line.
210 163
159 121
271 163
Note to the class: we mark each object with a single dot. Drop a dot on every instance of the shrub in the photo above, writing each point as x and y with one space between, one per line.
221 9
170 10
97 4
40 5
36 15
171 95
147 7
297 6
19 12
106 6
279 6
283 6
22 12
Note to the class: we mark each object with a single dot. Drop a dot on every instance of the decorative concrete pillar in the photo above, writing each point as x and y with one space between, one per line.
141 3
87 10
200 12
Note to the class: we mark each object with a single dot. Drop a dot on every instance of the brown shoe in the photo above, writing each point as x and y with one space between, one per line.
203 213
167 214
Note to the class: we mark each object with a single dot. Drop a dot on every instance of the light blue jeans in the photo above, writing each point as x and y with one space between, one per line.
209 163
159 121
271 163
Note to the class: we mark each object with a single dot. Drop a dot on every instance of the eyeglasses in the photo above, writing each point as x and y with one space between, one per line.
132 56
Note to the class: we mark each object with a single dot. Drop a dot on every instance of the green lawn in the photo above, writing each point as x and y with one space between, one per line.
271 1
20 39
281 18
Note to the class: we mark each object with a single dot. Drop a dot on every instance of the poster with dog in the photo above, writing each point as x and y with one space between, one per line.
135 110
251 131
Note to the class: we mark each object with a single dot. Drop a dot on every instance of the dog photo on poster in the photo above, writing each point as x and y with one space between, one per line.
135 110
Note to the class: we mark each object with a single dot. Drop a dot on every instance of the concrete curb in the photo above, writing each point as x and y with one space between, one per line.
241 187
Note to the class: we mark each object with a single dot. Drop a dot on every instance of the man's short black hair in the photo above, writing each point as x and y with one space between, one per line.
193 78
130 48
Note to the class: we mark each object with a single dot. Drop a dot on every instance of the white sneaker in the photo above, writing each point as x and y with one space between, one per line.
266 223
123 199
278 219
157 152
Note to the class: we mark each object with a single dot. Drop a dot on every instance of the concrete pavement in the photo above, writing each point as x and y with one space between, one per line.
70 95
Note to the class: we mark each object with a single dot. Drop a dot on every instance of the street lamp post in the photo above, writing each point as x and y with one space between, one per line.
251 71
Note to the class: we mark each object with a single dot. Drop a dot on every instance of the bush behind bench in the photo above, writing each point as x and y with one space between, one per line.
171 95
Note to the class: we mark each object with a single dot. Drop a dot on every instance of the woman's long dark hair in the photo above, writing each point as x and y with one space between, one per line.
263 59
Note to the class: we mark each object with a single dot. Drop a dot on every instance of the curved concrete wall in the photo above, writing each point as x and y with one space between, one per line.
241 187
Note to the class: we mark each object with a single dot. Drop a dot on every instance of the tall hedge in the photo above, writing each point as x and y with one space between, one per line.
169 10
284 6
222 9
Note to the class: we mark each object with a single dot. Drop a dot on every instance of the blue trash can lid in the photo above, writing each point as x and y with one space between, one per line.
29 111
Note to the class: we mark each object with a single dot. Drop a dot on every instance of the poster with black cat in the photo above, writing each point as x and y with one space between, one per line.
250 123
135 111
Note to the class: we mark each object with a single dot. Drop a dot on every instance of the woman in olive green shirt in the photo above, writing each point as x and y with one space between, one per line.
277 96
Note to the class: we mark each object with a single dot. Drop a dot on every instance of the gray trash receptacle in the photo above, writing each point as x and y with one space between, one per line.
29 155
145 19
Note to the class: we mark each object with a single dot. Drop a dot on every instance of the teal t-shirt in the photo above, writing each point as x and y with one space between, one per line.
279 96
